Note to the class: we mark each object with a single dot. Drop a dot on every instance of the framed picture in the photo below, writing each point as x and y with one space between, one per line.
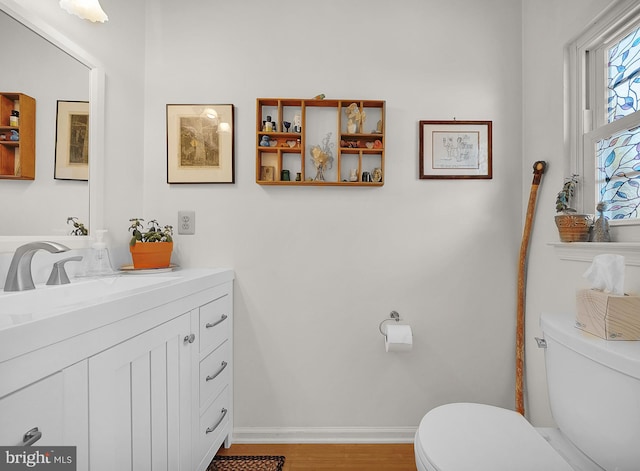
200 144
267 173
72 141
455 149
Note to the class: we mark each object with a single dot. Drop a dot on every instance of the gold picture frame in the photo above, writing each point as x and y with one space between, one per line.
72 141
200 144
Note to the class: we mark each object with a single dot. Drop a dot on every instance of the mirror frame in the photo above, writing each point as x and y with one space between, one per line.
96 127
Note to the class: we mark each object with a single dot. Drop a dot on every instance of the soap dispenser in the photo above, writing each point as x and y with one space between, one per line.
98 260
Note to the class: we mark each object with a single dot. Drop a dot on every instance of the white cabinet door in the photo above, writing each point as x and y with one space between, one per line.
139 402
40 405
56 406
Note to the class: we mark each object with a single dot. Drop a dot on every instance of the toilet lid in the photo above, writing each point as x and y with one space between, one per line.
478 437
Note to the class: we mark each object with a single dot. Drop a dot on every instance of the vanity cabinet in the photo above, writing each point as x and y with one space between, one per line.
139 402
17 157
145 382
167 389
289 131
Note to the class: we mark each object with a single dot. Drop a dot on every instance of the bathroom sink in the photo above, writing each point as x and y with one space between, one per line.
26 306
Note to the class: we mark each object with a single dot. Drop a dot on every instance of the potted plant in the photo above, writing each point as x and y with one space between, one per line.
572 227
151 248
79 229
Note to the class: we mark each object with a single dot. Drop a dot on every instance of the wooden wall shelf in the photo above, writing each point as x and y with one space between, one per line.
17 158
322 123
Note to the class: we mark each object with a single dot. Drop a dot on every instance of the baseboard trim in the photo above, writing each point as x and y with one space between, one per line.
323 434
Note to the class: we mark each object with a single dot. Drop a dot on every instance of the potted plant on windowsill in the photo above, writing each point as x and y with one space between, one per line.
151 248
572 227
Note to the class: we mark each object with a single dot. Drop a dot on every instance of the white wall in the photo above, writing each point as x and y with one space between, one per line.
548 27
319 268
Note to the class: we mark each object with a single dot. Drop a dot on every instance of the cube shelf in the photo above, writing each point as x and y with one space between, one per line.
17 157
290 132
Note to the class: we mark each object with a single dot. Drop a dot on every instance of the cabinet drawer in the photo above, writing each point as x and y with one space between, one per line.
38 405
214 425
215 322
215 373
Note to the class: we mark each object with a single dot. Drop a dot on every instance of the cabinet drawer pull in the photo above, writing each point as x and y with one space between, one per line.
189 338
224 414
31 437
223 365
210 324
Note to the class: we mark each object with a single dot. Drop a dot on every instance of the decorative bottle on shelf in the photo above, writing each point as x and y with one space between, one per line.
14 118
297 124
268 125
601 226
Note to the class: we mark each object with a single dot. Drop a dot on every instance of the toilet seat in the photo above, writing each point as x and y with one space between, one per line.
479 437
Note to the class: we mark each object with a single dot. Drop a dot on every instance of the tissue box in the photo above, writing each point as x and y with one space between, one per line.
609 316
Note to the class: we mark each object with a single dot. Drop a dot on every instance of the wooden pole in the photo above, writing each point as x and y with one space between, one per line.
538 169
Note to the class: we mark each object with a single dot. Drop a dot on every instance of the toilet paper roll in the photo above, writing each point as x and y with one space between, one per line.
398 338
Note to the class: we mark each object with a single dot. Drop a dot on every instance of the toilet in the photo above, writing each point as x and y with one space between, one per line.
594 394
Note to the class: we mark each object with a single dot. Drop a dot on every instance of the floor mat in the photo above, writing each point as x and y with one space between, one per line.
246 463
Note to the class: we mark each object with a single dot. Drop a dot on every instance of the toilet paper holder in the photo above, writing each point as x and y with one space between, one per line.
393 316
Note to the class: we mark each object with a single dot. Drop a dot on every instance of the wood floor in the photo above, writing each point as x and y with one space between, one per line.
321 457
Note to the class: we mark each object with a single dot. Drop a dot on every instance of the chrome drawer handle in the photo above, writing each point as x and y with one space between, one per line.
224 413
189 338
31 437
223 365
209 325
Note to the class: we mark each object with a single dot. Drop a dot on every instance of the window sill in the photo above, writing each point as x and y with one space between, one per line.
585 251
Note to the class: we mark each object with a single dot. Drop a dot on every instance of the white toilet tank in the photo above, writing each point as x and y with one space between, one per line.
594 392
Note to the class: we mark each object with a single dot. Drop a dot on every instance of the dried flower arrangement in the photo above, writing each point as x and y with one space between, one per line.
322 157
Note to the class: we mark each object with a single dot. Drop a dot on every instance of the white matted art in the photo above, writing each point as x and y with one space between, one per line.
200 144
455 149
72 141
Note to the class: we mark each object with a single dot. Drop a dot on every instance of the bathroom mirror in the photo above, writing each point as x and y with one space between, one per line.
39 208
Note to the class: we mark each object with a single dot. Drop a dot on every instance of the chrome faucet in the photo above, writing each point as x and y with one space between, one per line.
19 276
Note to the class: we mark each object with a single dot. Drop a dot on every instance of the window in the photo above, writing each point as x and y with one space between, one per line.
617 155
604 94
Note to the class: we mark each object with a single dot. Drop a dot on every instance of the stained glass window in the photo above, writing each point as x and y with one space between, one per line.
618 156
623 77
618 174
604 116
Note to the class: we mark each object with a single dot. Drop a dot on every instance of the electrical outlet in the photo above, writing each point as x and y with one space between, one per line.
186 222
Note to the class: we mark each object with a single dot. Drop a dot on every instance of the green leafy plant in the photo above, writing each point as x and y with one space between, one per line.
565 196
154 233
79 229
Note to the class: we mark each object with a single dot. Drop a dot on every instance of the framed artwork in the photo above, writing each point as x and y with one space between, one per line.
267 174
72 141
455 149
200 144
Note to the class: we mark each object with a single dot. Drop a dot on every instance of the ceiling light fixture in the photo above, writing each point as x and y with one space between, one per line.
85 9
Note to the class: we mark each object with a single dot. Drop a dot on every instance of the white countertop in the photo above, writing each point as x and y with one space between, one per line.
34 319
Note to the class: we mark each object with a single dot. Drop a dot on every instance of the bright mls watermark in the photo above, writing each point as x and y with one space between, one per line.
45 458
